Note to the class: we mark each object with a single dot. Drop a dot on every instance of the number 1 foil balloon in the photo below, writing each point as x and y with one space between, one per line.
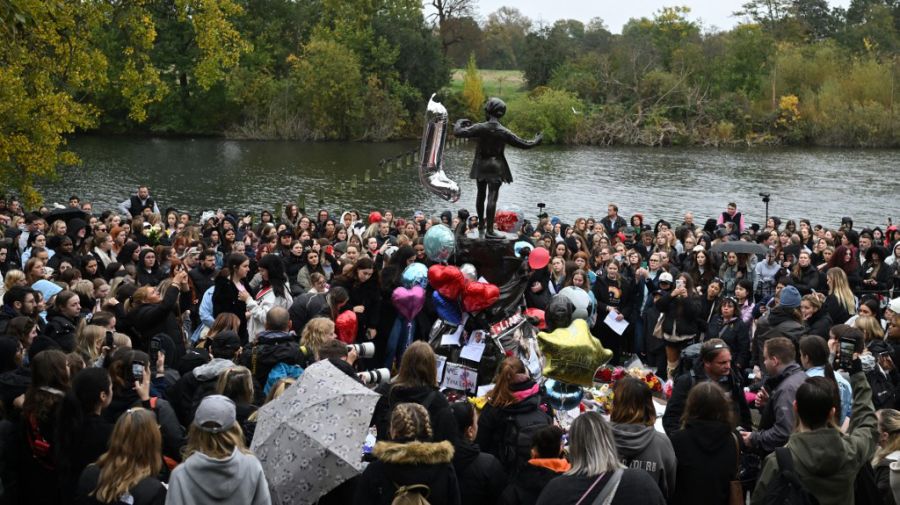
431 166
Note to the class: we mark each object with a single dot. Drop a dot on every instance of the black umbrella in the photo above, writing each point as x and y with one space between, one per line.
67 214
740 247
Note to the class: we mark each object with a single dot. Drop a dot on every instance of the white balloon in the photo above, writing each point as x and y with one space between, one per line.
469 271
580 299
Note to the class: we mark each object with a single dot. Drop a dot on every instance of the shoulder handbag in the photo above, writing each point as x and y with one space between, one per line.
658 328
609 490
609 483
735 486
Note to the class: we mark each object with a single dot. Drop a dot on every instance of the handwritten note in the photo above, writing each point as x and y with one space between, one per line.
460 377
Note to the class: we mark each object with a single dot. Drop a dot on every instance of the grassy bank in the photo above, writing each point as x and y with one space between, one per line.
507 85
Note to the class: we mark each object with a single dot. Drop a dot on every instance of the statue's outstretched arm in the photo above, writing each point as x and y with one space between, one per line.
516 141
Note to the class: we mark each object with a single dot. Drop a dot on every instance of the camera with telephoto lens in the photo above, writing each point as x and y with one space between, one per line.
379 376
364 350
766 197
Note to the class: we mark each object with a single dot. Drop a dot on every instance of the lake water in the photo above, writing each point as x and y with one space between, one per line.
200 174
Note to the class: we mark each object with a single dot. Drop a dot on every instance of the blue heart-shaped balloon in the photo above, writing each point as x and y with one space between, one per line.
448 310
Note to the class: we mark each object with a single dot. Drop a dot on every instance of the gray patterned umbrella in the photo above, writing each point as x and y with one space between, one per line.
310 439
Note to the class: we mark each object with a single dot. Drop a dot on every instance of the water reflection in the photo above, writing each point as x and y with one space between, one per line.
197 174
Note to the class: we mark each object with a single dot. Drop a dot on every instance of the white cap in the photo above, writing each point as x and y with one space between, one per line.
666 277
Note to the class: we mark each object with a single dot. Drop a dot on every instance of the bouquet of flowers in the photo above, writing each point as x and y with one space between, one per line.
610 375
154 234
603 396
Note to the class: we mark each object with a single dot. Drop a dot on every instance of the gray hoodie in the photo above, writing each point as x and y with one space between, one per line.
213 369
236 480
642 447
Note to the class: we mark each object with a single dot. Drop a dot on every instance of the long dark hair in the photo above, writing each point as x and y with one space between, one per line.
707 402
277 278
351 278
815 348
48 370
124 255
633 403
336 297
232 262
78 403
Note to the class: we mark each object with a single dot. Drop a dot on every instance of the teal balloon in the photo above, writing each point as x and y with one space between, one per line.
439 243
563 396
415 274
520 246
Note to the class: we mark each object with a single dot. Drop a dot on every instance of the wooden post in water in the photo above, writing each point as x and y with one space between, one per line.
353 182
301 203
278 206
367 177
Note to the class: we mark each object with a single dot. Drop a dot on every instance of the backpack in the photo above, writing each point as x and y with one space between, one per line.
515 446
687 360
280 371
413 494
169 462
786 488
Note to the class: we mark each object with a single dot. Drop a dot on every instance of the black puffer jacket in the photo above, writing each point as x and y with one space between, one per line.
61 330
528 484
682 314
707 460
810 279
819 324
493 422
443 424
271 348
366 294
779 322
427 463
671 420
151 319
306 307
481 477
736 334
172 432
225 299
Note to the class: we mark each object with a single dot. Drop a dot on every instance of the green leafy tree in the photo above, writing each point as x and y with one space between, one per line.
328 88
504 38
556 113
473 90
45 55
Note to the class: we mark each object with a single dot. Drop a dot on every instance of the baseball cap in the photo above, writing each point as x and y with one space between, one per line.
215 414
666 277
894 306
192 251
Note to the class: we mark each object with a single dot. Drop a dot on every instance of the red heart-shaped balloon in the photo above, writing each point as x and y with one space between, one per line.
448 280
345 326
479 296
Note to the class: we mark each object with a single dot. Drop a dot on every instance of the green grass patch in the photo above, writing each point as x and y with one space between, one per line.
507 85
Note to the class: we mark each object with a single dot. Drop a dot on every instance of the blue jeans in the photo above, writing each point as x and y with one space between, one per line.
637 323
402 334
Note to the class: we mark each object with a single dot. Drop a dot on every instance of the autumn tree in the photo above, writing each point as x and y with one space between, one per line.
473 90
63 63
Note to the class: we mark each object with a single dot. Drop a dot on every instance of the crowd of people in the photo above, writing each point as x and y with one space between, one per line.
137 345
